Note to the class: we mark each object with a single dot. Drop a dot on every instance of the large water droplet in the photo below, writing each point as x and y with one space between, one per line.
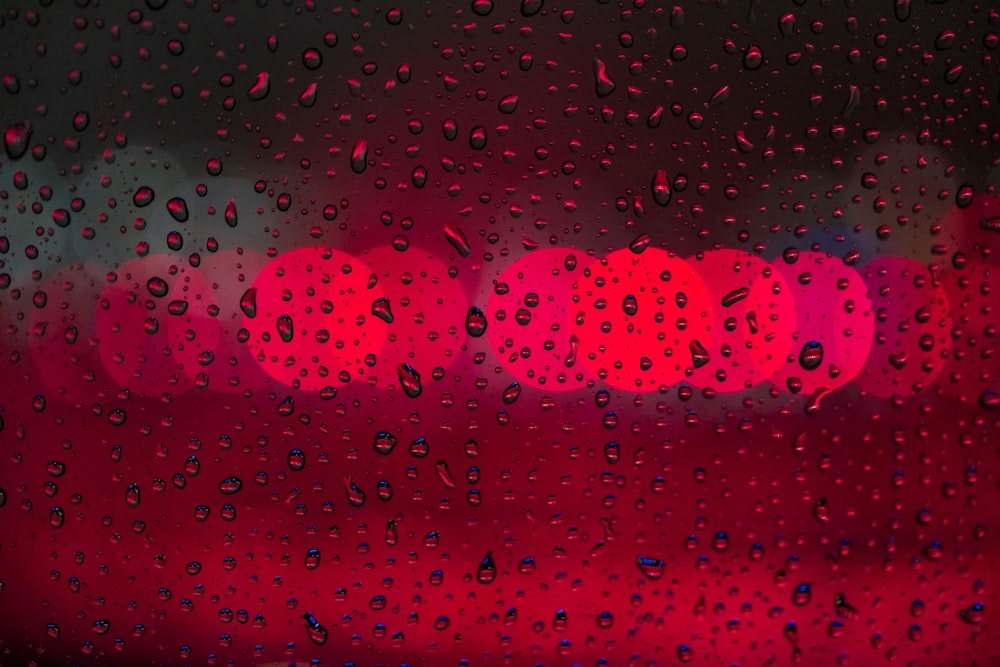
381 308
317 633
384 443
475 322
285 328
16 138
230 485
409 379
661 188
811 356
248 302
261 87
603 83
359 156
178 209
456 237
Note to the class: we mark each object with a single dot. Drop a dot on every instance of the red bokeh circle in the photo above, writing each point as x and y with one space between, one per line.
833 311
153 324
754 320
528 315
640 318
323 297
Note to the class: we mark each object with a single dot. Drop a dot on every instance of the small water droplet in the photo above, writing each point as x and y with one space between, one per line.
651 568
487 570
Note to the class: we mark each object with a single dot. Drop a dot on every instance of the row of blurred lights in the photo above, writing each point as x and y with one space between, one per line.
637 319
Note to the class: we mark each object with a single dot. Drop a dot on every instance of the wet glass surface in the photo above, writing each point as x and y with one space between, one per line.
487 332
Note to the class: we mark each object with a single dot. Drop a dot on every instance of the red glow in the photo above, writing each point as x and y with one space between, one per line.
648 345
325 296
427 310
912 324
754 334
529 319
167 302
833 310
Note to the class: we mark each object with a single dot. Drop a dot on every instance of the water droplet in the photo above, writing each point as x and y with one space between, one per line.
699 355
355 496
734 297
477 139
56 517
811 356
444 474
132 495
508 104
603 83
178 209
651 568
384 443
16 138
901 8
719 97
487 570
475 322
456 237
157 286
661 188
248 302
230 485
296 460
973 614
285 328
143 196
178 307
382 309
963 198
409 379
630 305
511 393
317 633
801 595
261 87
230 214
312 560
753 58
853 101
359 156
